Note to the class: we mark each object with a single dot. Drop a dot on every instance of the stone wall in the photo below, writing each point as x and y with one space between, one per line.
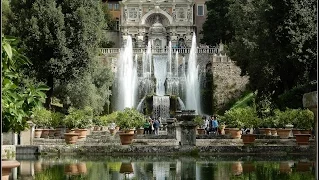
226 76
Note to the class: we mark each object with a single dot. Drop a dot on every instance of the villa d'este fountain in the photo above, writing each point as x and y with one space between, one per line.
159 84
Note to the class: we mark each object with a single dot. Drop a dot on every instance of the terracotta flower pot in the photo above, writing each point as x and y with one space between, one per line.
273 132
126 138
201 131
283 133
302 139
235 133
71 138
51 133
45 133
248 138
37 133
82 133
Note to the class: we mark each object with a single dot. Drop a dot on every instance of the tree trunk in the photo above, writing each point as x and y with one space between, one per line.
49 92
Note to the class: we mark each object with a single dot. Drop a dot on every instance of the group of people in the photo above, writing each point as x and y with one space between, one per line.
212 125
151 126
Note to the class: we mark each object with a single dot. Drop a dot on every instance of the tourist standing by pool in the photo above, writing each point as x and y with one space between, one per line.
215 124
146 126
156 125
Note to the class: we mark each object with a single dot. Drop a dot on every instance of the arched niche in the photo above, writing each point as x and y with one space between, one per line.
150 18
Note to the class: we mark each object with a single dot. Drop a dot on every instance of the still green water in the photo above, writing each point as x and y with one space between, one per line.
168 168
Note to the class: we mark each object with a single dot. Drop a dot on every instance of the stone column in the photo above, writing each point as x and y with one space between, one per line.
310 101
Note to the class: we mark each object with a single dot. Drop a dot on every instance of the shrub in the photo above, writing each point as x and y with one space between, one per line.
41 117
130 118
79 118
198 121
241 117
304 119
56 119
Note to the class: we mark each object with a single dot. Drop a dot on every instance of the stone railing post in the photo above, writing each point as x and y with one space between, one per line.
26 136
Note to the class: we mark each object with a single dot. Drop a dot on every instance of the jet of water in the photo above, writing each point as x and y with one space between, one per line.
192 80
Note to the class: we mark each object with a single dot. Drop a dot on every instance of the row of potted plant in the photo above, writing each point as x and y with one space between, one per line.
247 117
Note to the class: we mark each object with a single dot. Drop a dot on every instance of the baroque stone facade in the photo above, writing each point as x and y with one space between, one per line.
158 21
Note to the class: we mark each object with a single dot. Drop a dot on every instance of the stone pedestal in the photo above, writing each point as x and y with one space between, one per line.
185 133
171 130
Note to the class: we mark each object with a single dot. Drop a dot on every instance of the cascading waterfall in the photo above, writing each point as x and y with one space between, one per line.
161 106
170 58
160 73
192 80
177 64
126 78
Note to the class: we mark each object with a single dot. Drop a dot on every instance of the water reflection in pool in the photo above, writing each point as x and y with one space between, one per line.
165 168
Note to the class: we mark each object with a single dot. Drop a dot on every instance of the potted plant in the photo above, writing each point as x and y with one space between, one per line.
199 122
139 127
233 119
71 122
250 120
304 122
84 121
56 121
41 118
128 119
97 123
284 118
110 121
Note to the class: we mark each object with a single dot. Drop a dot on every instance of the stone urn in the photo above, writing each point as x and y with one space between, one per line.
6 168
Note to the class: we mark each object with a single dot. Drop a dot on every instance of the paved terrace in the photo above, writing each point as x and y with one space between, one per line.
102 143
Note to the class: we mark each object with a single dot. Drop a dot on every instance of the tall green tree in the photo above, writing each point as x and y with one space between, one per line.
60 37
218 26
274 42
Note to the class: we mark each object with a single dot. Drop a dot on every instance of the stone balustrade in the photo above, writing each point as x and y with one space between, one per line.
160 51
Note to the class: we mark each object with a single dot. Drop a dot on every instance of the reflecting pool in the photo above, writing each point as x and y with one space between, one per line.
166 168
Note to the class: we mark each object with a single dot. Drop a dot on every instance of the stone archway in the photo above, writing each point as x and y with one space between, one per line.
157 11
